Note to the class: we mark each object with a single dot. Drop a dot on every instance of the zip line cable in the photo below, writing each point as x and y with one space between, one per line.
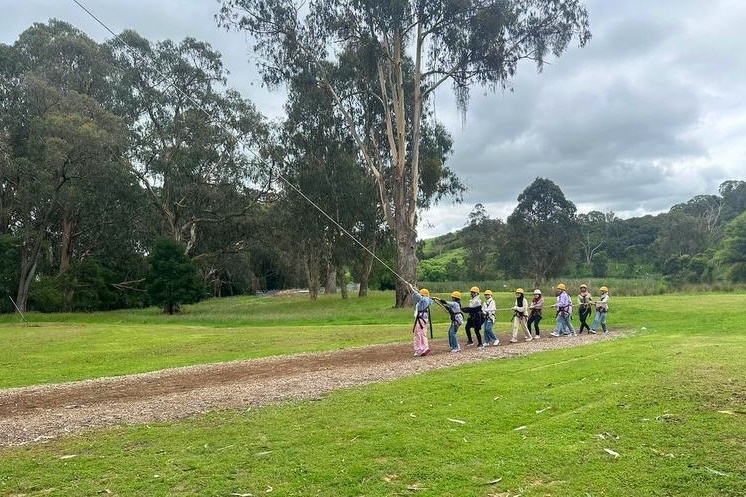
199 106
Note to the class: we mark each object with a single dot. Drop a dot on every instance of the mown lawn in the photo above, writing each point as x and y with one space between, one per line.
659 413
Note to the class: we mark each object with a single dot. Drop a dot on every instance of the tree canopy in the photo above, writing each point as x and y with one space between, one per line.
381 63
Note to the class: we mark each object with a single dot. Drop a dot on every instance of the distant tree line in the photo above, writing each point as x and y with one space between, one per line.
699 241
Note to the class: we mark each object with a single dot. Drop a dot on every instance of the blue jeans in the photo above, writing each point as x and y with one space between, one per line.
452 338
564 326
600 318
489 335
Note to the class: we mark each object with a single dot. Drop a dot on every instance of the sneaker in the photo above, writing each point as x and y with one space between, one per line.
484 345
469 344
606 332
574 334
537 337
427 351
455 350
528 339
512 340
592 331
415 354
555 334
496 343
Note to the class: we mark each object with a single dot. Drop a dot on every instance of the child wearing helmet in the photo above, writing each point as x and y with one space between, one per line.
457 318
490 311
534 317
520 314
474 321
602 307
564 311
422 303
584 307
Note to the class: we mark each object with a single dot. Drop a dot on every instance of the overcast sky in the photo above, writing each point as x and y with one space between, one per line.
649 114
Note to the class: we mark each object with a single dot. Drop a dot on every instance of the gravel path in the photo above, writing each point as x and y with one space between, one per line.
41 413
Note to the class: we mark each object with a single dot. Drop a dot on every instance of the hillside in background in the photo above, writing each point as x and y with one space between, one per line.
699 241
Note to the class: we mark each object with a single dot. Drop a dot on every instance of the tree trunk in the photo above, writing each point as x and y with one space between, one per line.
341 282
68 226
406 262
330 286
66 244
311 264
28 270
366 268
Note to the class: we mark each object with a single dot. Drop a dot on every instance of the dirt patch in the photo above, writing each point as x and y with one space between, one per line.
41 413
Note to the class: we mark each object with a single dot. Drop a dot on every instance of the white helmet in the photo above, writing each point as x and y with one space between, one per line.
537 292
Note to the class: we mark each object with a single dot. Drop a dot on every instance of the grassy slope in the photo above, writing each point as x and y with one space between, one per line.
670 400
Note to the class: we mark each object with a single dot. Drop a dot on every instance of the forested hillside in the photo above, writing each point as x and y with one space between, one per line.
699 241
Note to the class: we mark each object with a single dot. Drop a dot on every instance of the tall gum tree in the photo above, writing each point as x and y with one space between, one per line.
60 137
190 137
464 42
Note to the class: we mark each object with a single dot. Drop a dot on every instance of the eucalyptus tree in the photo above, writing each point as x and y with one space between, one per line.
483 240
731 254
62 141
593 234
733 193
191 137
542 230
406 49
321 166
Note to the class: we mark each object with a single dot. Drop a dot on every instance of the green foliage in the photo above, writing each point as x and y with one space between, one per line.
541 231
9 265
732 252
46 295
91 283
677 247
447 266
173 279
600 265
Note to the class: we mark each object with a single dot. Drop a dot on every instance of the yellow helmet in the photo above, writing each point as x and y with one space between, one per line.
561 286
474 289
583 285
488 292
604 289
519 290
425 292
456 294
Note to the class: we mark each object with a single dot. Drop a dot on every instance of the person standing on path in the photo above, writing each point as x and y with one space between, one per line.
564 311
490 312
602 307
520 312
474 321
422 303
535 308
457 318
584 307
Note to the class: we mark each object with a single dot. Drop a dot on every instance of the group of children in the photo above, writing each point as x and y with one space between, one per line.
526 314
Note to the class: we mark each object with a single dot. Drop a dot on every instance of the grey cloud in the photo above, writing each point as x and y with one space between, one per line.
650 113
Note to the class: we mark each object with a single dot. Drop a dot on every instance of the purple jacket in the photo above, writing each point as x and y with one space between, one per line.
564 304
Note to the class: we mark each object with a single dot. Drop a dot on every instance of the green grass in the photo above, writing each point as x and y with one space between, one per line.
670 399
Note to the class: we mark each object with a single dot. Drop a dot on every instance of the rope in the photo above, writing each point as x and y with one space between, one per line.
220 123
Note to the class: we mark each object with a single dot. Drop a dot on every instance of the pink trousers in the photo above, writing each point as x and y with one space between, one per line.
419 340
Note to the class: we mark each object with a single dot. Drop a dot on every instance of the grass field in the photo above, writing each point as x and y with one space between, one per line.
659 413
